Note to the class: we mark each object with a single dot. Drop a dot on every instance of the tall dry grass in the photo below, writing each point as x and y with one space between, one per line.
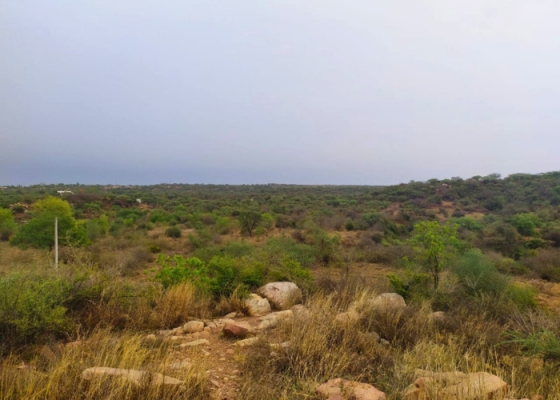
468 341
56 373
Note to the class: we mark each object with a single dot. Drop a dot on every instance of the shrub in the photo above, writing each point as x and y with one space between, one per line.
546 263
39 232
526 224
478 274
7 224
173 232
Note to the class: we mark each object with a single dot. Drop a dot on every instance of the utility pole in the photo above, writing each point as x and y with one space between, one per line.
56 242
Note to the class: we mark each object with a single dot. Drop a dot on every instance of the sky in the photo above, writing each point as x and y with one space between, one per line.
277 91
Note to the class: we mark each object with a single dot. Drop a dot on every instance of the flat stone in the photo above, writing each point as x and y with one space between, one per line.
256 305
237 330
135 377
195 343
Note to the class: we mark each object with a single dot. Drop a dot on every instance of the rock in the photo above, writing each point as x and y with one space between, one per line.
412 392
336 397
178 365
247 342
384 342
77 343
166 332
193 326
355 390
445 378
273 319
279 346
281 295
345 318
178 331
256 305
151 338
231 315
438 317
477 385
237 330
195 343
134 376
387 302
301 312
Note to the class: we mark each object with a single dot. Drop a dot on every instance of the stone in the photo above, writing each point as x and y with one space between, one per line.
193 326
279 346
281 295
237 330
178 365
477 385
166 332
256 305
231 315
387 302
355 390
438 317
345 318
301 312
422 376
273 319
195 343
384 342
151 338
134 376
336 397
247 342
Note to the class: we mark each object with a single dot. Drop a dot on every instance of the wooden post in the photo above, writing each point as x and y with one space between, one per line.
56 242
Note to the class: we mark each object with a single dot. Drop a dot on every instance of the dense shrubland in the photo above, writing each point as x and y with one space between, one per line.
150 257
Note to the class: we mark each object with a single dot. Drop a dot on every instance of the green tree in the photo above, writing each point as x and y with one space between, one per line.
7 224
249 220
39 232
526 224
432 244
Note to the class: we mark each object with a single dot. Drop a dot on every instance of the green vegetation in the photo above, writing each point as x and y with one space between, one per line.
479 249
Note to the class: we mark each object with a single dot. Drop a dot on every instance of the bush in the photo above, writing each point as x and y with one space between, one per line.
478 274
526 224
7 224
546 263
173 232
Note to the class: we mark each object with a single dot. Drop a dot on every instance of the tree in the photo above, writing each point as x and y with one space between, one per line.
526 224
432 244
7 224
39 232
249 220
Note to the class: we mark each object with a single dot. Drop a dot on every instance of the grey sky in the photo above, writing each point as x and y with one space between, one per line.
285 91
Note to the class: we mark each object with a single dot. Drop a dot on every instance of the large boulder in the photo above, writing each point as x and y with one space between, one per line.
256 305
355 390
281 295
387 302
134 376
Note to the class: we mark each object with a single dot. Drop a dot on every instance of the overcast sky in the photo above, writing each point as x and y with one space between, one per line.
277 91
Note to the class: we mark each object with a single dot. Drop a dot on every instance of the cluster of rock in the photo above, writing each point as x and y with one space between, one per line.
457 385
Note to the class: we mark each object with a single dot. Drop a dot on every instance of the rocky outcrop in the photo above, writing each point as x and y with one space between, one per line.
354 390
256 305
281 295
133 376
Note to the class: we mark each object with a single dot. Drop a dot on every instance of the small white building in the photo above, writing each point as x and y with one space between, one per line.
64 191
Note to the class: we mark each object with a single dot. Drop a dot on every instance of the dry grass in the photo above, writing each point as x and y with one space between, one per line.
57 373
321 350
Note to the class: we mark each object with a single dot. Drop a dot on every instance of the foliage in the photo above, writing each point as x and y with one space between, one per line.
178 269
544 343
432 244
39 232
249 220
526 224
7 224
173 232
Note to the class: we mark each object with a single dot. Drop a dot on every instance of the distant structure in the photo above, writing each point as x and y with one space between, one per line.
3 187
64 191
139 201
